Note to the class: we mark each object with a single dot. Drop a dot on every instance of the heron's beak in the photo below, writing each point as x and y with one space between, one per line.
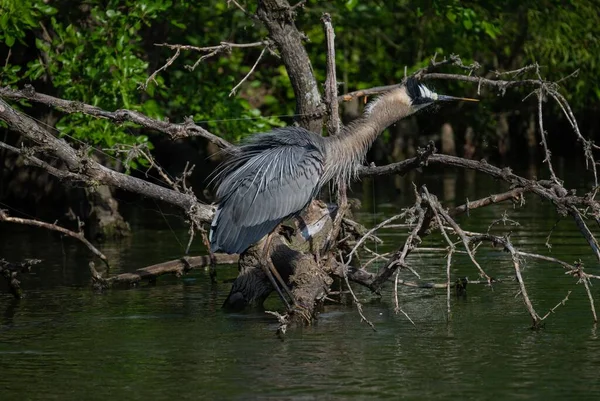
452 98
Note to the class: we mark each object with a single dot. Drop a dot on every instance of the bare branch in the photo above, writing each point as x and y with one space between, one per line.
356 301
399 257
53 227
96 173
177 267
333 123
369 234
175 131
34 161
561 303
238 5
548 158
514 195
233 91
451 247
437 208
152 77
499 84
505 242
590 297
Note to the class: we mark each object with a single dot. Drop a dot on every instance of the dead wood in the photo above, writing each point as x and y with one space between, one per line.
92 172
177 267
53 227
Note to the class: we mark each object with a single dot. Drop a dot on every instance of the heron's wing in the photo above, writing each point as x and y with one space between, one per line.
264 187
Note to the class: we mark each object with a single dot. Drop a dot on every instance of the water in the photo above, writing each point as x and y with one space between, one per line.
172 341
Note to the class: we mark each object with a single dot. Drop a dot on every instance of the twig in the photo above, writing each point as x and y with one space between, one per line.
590 297
398 259
356 301
561 303
587 145
504 219
368 234
513 194
36 223
548 158
235 88
397 307
451 248
238 6
152 77
505 242
459 231
283 322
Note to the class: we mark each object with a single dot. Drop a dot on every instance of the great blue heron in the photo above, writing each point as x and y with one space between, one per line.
274 175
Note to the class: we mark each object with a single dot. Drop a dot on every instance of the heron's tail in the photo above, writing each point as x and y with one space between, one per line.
230 237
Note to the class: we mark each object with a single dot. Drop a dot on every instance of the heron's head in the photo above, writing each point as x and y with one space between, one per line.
421 96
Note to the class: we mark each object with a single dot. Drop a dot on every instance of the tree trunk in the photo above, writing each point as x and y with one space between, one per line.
278 17
448 142
104 220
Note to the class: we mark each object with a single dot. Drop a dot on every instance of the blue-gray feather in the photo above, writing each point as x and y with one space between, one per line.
269 178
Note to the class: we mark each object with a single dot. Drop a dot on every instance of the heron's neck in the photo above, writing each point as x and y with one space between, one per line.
347 151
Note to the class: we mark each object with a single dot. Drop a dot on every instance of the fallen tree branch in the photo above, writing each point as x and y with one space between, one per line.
177 267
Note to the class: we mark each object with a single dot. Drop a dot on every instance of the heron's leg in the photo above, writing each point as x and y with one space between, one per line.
270 271
266 264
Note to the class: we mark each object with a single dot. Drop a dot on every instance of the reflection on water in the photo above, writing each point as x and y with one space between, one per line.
172 341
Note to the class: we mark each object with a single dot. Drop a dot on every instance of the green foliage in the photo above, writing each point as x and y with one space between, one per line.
99 52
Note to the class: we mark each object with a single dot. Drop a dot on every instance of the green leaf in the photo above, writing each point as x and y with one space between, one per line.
351 4
9 39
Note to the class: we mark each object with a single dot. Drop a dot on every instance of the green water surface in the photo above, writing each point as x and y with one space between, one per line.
172 341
